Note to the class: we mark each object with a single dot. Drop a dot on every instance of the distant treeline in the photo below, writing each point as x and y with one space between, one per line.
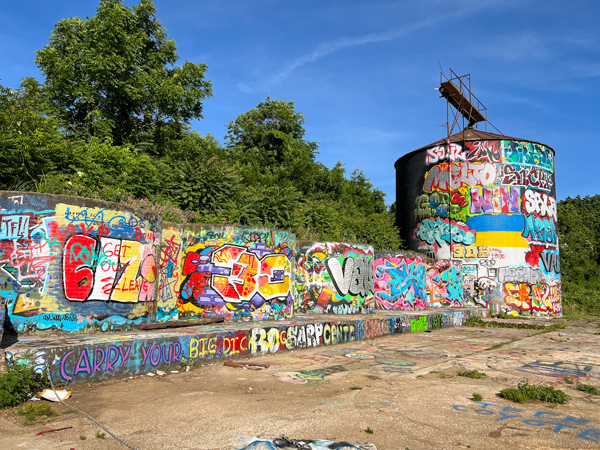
579 240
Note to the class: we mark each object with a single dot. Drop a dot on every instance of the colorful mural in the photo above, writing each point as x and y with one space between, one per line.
334 278
445 286
73 359
400 281
68 266
226 271
490 203
75 265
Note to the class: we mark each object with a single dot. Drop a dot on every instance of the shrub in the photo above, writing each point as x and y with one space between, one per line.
18 383
470 373
587 388
526 391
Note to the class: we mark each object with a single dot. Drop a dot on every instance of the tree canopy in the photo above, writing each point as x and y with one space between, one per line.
113 75
111 121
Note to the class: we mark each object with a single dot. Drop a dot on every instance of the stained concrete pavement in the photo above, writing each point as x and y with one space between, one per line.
404 388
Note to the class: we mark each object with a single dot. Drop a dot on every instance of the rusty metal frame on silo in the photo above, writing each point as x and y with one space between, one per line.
466 105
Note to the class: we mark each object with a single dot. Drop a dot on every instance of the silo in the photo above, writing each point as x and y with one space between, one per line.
487 200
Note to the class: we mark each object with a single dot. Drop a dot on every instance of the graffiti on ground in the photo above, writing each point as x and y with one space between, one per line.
558 423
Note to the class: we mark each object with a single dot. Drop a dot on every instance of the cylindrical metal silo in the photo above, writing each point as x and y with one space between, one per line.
489 201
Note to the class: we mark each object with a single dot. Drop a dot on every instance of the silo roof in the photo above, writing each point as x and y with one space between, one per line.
471 134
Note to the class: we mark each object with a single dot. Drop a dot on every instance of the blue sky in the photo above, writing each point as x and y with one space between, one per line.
363 72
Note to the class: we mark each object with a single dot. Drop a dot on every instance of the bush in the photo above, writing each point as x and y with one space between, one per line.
18 383
587 388
527 391
470 373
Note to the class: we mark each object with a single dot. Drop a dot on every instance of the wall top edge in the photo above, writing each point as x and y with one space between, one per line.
7 203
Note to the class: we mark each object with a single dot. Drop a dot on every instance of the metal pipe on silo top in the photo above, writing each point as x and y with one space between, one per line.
489 201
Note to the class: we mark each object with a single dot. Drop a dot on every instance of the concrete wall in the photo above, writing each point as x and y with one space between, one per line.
334 278
75 264
492 205
83 359
71 263
400 281
226 271
445 284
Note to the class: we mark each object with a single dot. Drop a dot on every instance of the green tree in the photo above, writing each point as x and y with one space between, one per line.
113 75
31 144
268 143
286 187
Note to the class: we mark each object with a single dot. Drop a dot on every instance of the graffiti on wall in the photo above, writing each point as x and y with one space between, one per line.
400 281
69 267
445 284
335 278
230 272
102 357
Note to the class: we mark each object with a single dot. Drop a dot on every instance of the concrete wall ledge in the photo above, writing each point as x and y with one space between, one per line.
94 357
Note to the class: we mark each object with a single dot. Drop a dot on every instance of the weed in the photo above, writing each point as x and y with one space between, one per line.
69 411
16 385
445 375
476 321
526 391
100 435
470 373
369 430
33 411
568 380
587 389
477 397
419 376
82 437
188 362
170 367
495 346
355 388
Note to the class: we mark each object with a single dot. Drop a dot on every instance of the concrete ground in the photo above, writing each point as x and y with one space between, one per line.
404 388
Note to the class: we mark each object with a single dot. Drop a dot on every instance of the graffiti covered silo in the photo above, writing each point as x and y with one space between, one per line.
489 201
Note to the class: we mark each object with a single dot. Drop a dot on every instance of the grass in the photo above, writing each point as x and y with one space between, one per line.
526 391
501 344
470 373
82 437
445 375
355 388
35 411
574 312
568 380
476 321
477 397
588 389
369 430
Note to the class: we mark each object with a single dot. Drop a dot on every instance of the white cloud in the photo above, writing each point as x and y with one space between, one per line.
448 14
